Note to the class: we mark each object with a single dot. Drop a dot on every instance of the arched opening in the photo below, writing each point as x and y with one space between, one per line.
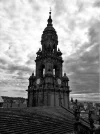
54 71
42 70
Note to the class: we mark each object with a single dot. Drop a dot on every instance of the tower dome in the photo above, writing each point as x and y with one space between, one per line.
49 38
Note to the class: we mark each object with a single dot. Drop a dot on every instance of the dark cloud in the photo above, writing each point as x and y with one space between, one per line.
10 68
80 6
34 4
84 83
4 91
94 32
60 8
83 66
19 91
84 61
31 57
13 83
97 3
22 76
2 61
83 72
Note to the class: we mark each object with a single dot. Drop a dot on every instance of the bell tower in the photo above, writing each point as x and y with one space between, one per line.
48 87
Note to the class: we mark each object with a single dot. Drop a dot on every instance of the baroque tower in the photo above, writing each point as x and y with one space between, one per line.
48 87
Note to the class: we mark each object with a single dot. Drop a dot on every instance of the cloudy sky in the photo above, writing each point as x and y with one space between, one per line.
77 23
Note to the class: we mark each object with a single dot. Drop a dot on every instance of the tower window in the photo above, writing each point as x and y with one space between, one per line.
53 71
43 71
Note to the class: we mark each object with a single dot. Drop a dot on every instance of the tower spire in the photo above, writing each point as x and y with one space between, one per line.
49 20
50 12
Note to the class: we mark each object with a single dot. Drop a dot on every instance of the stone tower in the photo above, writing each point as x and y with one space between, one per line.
48 87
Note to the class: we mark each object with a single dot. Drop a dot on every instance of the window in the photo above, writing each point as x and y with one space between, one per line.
43 71
53 71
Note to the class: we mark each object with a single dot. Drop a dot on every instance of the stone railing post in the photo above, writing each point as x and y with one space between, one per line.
77 122
91 121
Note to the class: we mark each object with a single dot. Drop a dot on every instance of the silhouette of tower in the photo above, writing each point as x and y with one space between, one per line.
48 87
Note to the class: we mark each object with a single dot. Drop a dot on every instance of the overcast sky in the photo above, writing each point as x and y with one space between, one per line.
77 23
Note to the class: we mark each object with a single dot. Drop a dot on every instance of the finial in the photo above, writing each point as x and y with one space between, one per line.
50 13
49 20
33 73
64 74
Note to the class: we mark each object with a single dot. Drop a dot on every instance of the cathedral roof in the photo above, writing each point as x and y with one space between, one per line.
37 120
